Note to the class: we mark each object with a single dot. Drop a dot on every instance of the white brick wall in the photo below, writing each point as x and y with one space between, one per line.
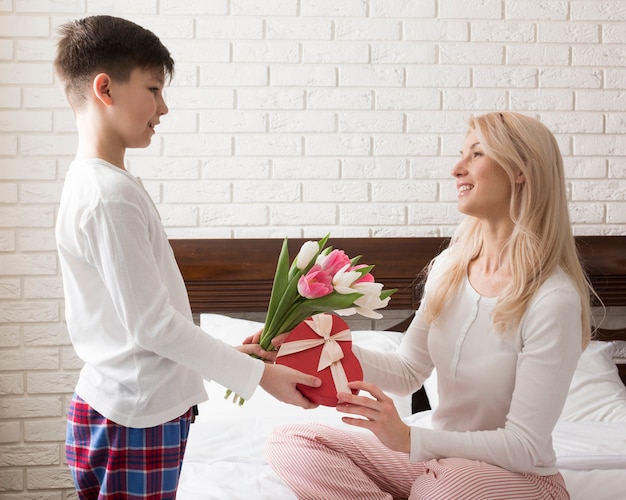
288 117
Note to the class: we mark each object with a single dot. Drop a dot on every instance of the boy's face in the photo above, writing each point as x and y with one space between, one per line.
138 107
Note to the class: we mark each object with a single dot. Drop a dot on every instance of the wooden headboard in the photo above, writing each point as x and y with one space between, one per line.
235 275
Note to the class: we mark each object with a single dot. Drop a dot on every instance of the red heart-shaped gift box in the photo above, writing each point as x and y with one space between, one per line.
307 361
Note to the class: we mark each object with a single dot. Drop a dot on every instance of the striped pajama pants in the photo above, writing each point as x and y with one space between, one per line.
323 463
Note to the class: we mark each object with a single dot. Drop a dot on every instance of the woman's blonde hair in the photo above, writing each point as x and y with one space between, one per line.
542 237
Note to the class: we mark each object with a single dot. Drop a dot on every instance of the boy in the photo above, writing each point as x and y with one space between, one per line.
127 309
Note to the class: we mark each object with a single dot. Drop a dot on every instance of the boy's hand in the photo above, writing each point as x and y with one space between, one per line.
251 345
253 339
255 349
280 381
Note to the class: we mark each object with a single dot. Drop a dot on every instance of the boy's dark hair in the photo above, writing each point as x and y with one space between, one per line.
105 44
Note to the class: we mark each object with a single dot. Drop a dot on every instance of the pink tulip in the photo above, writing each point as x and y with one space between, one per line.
334 261
315 284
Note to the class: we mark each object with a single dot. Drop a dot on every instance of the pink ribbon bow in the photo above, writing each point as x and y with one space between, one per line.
331 354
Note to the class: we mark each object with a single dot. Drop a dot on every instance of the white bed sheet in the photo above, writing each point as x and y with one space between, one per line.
225 451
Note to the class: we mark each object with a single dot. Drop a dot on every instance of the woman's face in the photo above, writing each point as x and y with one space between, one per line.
483 187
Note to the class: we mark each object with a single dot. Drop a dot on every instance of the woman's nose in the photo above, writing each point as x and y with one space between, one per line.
458 169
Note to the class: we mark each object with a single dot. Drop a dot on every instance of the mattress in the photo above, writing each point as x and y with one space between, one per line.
225 451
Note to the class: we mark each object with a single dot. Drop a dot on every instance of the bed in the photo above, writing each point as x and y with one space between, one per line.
228 277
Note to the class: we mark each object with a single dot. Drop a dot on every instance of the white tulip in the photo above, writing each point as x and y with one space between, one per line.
307 253
344 279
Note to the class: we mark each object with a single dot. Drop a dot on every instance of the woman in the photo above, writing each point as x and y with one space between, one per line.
504 318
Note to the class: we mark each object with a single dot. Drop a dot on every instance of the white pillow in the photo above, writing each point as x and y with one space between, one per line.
230 330
596 392
620 349
234 330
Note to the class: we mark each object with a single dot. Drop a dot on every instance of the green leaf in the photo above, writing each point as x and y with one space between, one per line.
323 241
364 270
289 297
387 293
331 302
294 317
280 282
355 260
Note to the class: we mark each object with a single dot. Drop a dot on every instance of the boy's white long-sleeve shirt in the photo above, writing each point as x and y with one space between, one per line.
500 396
127 309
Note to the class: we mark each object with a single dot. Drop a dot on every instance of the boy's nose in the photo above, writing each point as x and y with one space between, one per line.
162 108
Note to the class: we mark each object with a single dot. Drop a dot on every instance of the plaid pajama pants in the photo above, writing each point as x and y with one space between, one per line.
109 461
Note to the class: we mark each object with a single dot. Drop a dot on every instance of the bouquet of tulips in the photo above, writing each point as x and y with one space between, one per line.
320 279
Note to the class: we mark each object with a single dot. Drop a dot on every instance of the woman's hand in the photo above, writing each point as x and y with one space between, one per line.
380 415
250 345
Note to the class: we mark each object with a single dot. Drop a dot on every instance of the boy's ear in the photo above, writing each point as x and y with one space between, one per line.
101 88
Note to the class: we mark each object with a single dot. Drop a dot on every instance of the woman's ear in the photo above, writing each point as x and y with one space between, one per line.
102 88
520 179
